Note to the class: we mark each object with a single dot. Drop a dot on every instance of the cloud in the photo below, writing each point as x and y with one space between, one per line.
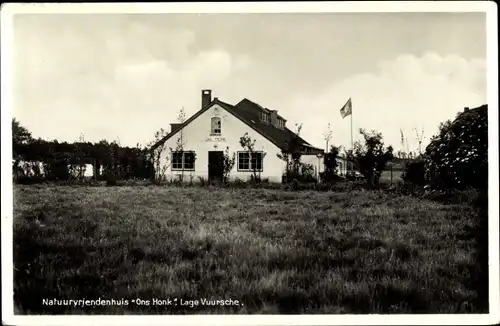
109 76
83 81
405 93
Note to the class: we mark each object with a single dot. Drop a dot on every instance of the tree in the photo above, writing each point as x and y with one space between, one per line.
371 156
292 155
155 154
77 165
330 160
181 117
228 164
20 135
248 145
457 157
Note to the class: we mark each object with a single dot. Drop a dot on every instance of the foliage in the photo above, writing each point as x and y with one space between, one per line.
248 145
292 155
414 172
371 156
181 118
457 157
331 165
228 164
307 171
37 160
19 133
160 168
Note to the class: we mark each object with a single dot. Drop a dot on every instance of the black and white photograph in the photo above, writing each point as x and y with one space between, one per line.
250 163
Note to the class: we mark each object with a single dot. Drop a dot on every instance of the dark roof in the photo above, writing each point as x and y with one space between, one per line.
249 113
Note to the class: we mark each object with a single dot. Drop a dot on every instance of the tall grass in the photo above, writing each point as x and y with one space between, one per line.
275 251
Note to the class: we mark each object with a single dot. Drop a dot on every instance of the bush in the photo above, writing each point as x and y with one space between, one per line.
467 196
371 156
29 180
56 169
299 177
329 177
408 189
238 183
111 182
458 156
347 186
322 187
414 172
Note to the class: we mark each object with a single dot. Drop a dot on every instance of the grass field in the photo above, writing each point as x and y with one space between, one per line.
275 251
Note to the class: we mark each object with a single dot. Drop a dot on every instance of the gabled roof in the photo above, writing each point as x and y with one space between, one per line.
249 113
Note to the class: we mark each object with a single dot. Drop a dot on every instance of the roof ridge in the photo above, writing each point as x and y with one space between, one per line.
244 110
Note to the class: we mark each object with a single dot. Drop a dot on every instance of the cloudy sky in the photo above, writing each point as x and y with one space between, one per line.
122 77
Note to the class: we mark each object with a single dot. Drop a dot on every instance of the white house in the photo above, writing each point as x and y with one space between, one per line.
218 126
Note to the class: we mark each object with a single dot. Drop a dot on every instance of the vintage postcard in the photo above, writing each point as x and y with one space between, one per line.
255 163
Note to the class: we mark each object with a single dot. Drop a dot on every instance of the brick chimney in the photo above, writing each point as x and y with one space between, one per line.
466 109
274 118
174 126
206 97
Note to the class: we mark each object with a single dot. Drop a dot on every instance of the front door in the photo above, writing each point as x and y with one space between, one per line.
215 165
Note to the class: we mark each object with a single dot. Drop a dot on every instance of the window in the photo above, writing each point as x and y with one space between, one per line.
257 161
216 126
265 117
189 161
183 161
245 163
281 123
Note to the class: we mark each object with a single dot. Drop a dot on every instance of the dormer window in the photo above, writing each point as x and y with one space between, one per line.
281 123
265 117
216 126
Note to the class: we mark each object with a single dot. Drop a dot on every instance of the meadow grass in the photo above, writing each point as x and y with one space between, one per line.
275 251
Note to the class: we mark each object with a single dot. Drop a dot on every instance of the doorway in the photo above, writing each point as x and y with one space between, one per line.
215 166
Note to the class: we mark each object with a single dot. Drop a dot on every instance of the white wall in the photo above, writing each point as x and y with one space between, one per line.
317 163
320 166
196 137
342 166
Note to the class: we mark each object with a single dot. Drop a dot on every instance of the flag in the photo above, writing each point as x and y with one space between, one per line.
346 109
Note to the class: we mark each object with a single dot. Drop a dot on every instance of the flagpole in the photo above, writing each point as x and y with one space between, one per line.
352 143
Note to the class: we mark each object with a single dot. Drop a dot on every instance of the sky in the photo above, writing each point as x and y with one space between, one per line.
124 76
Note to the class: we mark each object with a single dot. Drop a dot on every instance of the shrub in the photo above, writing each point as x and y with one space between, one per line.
458 156
467 196
347 186
371 156
228 164
238 183
330 174
111 181
414 172
329 178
